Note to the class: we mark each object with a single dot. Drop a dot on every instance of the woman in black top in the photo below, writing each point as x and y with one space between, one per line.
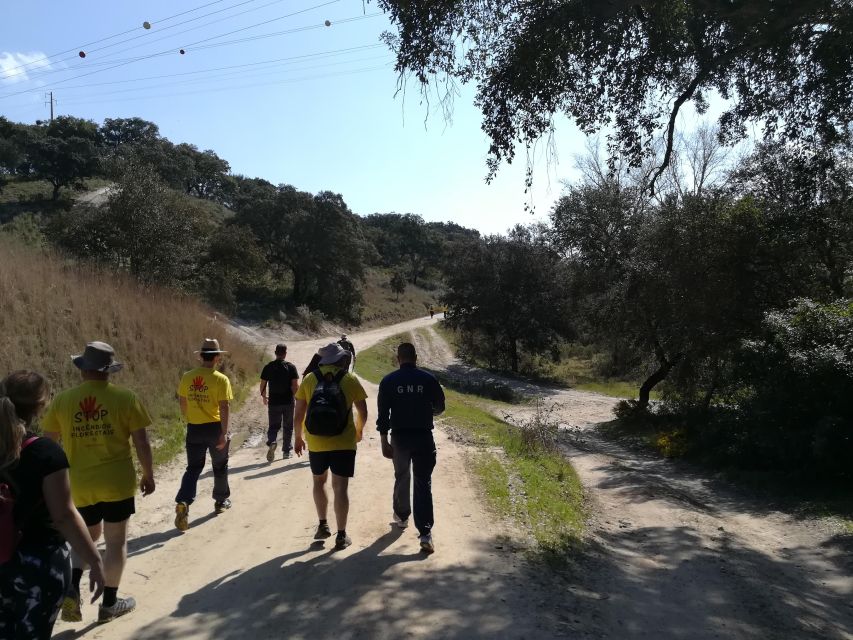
34 581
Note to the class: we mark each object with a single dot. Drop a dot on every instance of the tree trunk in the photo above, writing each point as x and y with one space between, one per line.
56 188
665 366
513 354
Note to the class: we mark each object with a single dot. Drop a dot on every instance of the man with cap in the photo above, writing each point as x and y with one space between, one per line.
327 397
282 380
348 346
407 401
96 421
205 397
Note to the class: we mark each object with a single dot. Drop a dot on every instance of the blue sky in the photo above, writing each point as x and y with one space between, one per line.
329 121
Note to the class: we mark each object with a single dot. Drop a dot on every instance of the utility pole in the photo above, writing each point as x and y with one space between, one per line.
48 99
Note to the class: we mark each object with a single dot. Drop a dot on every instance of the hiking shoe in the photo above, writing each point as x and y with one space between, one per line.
287 455
221 505
72 606
122 607
271 452
402 523
182 516
323 531
342 540
426 544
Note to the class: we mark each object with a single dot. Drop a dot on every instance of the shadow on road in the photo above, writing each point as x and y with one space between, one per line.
363 595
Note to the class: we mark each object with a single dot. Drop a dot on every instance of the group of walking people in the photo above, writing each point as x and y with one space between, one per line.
76 481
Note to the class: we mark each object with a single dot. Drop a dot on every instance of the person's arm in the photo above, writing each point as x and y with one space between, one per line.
294 385
264 391
57 497
183 402
298 418
224 415
146 460
437 399
383 421
361 418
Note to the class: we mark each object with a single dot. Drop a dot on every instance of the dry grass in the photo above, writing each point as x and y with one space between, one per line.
51 307
382 307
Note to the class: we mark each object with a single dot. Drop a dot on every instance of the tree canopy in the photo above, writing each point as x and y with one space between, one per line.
786 65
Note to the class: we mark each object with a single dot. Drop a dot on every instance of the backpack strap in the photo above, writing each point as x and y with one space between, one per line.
340 375
26 443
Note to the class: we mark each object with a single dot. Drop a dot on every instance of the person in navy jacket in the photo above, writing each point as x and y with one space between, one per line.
408 399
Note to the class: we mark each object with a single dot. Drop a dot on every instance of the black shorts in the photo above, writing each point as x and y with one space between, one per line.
107 512
342 462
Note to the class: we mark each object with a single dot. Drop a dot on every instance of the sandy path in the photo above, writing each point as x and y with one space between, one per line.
676 554
255 572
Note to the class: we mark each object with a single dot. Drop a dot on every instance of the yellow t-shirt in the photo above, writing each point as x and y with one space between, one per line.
95 420
353 392
204 388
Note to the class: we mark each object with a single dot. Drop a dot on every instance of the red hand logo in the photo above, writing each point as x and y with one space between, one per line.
89 406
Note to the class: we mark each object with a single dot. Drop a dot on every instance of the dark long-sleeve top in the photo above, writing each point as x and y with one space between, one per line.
408 399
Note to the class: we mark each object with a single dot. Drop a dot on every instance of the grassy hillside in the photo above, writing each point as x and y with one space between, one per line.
52 307
383 307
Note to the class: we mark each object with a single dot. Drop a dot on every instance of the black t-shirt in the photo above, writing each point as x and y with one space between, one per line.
39 459
280 374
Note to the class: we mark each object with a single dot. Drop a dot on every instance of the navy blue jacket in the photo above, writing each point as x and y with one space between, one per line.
408 399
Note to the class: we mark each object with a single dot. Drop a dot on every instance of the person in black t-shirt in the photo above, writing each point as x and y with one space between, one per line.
348 346
280 380
35 579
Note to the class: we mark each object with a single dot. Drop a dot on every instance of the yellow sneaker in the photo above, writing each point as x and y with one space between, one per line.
72 606
182 516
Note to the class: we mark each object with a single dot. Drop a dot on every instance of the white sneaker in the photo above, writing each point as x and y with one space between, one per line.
426 544
402 524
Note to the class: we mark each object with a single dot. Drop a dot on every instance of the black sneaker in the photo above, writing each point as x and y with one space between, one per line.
323 531
342 540
221 505
287 455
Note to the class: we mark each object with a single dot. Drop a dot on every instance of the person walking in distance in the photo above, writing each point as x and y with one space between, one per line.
35 566
96 422
281 379
324 410
408 399
205 396
348 346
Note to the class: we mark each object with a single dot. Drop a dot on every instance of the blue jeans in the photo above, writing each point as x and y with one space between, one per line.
414 454
202 439
281 417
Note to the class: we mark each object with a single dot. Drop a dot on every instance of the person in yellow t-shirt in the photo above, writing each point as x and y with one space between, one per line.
96 422
205 396
331 452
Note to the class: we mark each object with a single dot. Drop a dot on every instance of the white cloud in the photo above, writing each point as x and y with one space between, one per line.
16 67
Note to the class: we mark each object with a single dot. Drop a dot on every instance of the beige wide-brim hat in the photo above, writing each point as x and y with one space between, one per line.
98 356
210 345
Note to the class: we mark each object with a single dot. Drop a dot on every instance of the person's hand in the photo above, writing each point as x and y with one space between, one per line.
358 433
147 485
223 440
298 445
96 581
266 400
387 449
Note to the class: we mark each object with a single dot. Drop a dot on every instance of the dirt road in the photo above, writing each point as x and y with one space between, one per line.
255 572
676 554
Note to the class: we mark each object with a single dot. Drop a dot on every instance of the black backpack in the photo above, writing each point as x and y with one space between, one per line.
328 412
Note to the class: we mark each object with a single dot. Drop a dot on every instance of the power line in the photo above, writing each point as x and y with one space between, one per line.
232 88
319 54
117 35
212 45
231 74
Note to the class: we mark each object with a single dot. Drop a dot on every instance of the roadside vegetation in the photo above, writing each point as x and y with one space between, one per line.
52 308
522 473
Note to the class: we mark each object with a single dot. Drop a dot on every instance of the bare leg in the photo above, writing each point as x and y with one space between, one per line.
340 485
321 498
115 535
